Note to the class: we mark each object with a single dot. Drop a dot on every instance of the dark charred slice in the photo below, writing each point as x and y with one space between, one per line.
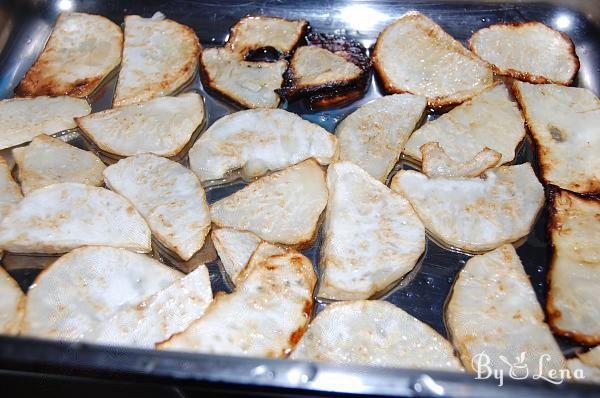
265 38
328 71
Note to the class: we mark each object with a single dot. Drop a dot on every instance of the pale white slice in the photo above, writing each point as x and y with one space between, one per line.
415 55
250 84
283 207
491 119
157 317
475 214
565 125
493 311
573 304
587 365
159 57
168 196
264 317
374 333
315 66
257 141
10 193
529 51
61 217
162 126
83 289
235 249
256 32
374 135
21 119
12 304
81 51
437 163
372 236
47 160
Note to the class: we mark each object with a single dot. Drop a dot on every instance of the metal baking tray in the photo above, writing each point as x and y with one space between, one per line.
24 29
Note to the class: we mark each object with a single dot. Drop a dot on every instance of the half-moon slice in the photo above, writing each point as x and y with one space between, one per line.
475 214
262 32
414 55
494 318
235 249
10 193
250 84
529 51
264 317
84 288
490 119
588 364
330 70
12 304
437 163
374 135
21 119
374 333
372 236
61 217
257 141
159 57
283 207
565 125
47 160
82 51
573 304
162 126
168 196
157 317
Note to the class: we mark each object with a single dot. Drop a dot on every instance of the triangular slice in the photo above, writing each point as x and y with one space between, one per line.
573 304
330 70
235 249
374 135
82 50
565 125
12 305
162 126
262 32
62 217
475 214
157 317
159 57
257 141
170 198
264 317
374 333
283 207
250 84
10 193
415 55
587 365
84 288
372 236
529 51
494 318
437 163
491 119
48 160
21 119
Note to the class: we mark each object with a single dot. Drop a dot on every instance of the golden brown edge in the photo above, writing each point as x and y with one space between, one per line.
554 314
525 76
187 70
27 87
438 103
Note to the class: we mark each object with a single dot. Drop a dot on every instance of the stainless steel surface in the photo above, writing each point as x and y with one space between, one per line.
422 293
